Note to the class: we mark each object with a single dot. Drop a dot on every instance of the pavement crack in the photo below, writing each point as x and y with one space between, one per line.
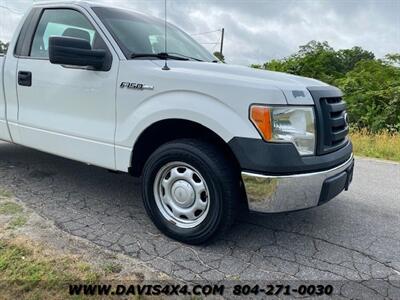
371 257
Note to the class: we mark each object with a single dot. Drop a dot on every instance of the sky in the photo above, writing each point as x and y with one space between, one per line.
260 30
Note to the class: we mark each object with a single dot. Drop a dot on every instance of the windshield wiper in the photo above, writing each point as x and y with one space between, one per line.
185 56
161 55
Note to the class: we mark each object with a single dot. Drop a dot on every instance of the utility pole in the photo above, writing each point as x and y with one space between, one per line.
222 41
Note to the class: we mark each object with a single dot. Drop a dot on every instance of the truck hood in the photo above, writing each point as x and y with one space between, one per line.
294 87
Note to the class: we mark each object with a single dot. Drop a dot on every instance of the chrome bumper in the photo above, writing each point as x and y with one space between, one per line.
271 194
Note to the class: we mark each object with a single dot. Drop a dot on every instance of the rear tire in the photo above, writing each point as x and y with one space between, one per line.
191 190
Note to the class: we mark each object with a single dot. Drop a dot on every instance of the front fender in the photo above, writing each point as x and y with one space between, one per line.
187 105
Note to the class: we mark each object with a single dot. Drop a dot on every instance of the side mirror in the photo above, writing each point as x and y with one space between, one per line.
75 52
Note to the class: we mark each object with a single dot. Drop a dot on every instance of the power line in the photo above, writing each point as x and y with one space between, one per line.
220 42
206 32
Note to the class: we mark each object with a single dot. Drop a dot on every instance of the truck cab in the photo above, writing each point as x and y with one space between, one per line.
97 84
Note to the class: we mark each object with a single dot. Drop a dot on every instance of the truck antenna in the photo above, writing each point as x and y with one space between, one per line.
165 68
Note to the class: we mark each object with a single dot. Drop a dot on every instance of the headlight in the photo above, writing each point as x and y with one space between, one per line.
293 124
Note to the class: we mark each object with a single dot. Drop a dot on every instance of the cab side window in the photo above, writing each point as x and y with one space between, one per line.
63 22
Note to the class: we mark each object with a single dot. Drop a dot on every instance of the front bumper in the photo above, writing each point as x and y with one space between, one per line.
272 194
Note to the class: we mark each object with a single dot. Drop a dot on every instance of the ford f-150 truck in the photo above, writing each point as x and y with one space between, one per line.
97 84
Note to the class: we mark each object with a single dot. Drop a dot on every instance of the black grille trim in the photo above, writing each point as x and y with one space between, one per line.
330 110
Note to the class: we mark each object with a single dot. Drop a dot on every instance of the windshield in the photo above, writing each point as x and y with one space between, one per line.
139 34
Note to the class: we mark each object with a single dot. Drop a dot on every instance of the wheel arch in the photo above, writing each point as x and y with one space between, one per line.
167 130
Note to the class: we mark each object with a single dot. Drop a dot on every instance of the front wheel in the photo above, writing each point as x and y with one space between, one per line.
190 190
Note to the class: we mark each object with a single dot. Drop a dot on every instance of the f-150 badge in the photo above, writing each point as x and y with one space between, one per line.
136 86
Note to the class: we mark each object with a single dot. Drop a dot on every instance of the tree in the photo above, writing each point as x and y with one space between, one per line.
256 66
315 59
372 93
371 86
3 47
393 58
350 57
319 60
220 56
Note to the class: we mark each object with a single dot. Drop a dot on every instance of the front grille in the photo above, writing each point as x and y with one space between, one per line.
334 114
332 127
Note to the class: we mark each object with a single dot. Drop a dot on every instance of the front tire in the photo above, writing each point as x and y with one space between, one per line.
190 190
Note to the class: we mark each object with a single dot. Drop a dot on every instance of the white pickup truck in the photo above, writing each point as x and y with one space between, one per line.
89 83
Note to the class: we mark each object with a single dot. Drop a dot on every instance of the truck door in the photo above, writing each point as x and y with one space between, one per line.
64 110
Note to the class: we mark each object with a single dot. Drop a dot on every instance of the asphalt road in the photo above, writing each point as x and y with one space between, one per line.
355 238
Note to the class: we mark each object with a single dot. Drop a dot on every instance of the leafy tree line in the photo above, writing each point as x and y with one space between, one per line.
3 47
220 56
371 86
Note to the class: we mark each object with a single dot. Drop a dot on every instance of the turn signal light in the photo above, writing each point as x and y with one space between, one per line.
260 116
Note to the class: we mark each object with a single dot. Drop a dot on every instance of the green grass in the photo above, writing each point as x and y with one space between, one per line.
111 267
16 211
17 221
18 267
10 208
29 270
5 194
28 273
383 145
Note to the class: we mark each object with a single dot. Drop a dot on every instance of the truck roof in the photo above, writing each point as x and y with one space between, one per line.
87 4
77 2
83 3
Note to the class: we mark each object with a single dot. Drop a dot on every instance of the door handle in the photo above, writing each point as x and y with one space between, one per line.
25 78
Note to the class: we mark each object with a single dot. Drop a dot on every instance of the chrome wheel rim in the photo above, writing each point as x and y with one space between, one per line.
181 194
